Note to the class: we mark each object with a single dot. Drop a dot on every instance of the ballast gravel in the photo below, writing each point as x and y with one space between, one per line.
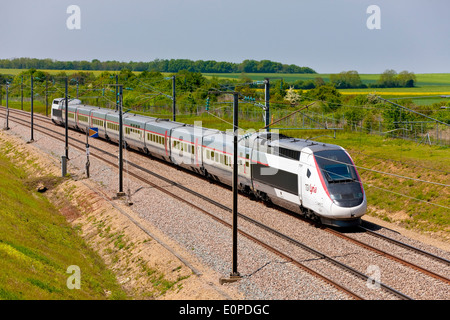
264 274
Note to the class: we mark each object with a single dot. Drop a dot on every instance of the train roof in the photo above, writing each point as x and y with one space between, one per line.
280 140
300 144
135 118
71 101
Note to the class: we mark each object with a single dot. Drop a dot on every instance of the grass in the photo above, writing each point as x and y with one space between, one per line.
37 245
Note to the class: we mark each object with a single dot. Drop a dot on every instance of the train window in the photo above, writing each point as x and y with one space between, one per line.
221 158
212 155
288 153
193 150
336 166
83 118
226 161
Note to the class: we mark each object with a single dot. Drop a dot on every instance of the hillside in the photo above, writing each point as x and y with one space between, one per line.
38 244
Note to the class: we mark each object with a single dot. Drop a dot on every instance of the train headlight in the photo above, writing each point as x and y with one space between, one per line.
336 196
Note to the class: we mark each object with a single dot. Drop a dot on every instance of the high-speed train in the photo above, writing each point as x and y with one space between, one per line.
314 179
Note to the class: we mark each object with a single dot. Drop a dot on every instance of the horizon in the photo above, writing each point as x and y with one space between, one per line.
130 61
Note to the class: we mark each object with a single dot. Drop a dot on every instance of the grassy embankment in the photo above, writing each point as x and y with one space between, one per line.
37 245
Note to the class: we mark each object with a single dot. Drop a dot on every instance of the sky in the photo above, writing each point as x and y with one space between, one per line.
329 36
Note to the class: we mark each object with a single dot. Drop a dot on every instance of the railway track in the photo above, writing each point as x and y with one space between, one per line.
272 231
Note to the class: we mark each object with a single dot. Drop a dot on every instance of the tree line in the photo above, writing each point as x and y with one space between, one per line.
388 79
351 80
159 65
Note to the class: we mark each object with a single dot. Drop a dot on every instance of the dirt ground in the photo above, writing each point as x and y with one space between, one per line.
136 251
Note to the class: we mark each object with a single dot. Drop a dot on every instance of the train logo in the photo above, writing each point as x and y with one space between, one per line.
310 188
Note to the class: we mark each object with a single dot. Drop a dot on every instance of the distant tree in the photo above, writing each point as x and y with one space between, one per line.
318 81
249 66
292 96
406 79
346 79
388 79
328 95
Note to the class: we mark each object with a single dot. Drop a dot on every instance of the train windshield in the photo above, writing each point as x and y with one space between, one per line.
336 166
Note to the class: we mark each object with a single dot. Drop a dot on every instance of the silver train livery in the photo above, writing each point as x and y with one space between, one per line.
314 179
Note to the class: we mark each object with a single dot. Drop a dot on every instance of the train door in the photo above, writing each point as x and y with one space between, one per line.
306 180
300 179
241 162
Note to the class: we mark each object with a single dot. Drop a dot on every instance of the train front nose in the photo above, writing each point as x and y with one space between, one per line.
345 217
340 211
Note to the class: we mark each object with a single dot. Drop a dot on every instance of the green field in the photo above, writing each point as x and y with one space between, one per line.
423 79
427 83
